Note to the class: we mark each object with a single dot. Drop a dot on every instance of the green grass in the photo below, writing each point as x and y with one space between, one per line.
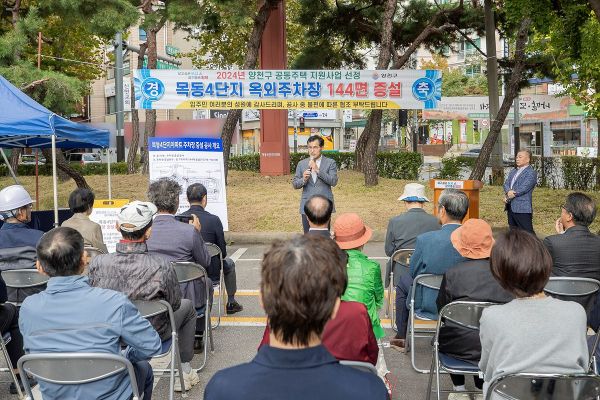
270 204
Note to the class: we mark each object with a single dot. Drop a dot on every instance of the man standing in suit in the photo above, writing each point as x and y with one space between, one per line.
575 250
318 211
315 175
518 190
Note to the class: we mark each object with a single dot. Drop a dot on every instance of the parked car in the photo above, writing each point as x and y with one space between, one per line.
471 153
84 158
507 159
29 159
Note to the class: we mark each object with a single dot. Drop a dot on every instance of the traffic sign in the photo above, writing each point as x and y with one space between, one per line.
310 115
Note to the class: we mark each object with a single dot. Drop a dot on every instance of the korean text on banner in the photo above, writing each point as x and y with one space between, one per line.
188 161
105 214
287 89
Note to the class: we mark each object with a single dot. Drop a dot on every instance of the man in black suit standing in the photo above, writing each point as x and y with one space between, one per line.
212 232
575 250
318 211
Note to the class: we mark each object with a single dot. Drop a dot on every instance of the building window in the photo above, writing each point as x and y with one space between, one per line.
142 34
470 49
472 70
111 105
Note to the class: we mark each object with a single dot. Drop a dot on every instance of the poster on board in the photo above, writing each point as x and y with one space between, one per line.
105 214
188 161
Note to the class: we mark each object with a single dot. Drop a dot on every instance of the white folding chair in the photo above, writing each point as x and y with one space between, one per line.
187 272
23 279
215 251
170 347
360 365
529 386
465 314
6 338
579 290
427 281
399 265
74 369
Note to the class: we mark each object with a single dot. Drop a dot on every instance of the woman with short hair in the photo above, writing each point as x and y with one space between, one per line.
533 333
81 203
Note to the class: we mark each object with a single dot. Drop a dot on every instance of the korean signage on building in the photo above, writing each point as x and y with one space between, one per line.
249 115
287 89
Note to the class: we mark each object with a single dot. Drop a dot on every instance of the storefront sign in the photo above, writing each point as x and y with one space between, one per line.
287 89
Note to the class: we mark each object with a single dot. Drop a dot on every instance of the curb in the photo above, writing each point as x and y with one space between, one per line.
268 237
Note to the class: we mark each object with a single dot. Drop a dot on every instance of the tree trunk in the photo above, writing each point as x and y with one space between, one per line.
62 165
15 154
595 4
370 159
260 21
511 93
135 121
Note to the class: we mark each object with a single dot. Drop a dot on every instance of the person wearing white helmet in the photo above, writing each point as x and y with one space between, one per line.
17 240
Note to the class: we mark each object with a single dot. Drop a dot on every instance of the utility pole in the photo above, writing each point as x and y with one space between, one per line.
492 76
119 97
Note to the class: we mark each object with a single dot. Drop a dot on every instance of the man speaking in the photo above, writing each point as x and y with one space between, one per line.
315 175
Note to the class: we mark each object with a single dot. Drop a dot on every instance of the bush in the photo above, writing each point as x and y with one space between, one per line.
389 165
578 172
453 166
88 169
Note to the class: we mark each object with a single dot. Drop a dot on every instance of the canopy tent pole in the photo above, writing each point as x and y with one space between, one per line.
54 181
12 173
37 180
109 183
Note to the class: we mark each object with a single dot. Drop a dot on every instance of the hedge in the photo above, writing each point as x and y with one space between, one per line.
87 169
389 165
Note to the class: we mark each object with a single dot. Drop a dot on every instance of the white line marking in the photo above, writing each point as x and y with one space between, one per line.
238 253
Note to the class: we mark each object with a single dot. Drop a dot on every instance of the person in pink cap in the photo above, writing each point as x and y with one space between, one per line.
469 280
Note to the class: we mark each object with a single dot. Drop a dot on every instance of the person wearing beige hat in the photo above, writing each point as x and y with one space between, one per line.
403 229
469 280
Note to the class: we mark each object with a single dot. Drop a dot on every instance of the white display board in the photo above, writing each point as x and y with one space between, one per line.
192 160
105 214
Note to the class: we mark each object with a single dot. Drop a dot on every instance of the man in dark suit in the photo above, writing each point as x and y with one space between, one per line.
318 211
212 232
518 189
575 250
434 254
315 175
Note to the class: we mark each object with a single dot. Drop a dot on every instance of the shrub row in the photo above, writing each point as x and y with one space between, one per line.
389 165
88 169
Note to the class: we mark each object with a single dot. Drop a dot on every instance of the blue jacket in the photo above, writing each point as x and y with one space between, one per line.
434 254
311 373
524 185
72 316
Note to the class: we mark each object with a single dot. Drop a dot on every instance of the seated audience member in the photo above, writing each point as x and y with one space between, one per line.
72 316
349 336
301 283
364 275
434 254
575 250
81 203
533 333
318 210
142 276
17 240
469 280
403 229
212 232
177 241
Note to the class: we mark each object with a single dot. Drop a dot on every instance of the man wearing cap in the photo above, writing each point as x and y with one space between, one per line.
17 240
469 280
142 276
316 174
434 254
403 229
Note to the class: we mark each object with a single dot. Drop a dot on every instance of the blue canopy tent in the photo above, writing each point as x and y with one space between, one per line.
26 123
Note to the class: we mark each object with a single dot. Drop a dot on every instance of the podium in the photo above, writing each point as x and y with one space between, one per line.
471 188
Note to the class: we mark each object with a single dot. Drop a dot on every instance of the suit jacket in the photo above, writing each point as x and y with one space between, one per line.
326 178
470 280
212 232
91 231
524 185
575 253
402 232
434 254
319 232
